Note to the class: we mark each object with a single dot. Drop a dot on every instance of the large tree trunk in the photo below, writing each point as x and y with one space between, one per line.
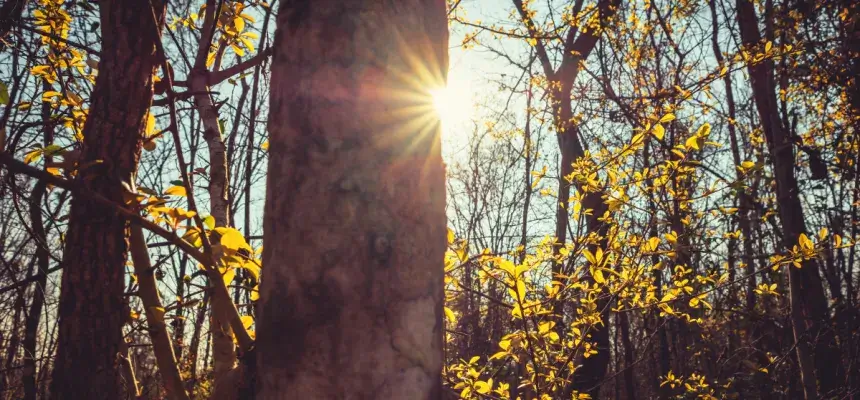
351 301
809 309
91 296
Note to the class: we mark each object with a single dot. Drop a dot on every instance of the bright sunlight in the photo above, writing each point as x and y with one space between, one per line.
454 104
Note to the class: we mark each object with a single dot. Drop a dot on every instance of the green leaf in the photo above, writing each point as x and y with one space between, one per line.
53 150
4 94
33 156
209 222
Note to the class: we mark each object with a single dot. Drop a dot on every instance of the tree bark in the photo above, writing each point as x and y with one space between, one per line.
91 296
10 15
165 358
809 310
351 301
223 348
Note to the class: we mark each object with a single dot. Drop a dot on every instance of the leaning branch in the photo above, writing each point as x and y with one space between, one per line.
18 167
222 75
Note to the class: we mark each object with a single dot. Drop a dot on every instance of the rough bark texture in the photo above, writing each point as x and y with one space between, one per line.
351 300
91 312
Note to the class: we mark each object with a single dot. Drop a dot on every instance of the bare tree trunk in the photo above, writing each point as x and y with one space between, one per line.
34 315
91 297
809 314
351 304
158 334
194 346
15 339
576 49
629 380
129 380
223 348
43 258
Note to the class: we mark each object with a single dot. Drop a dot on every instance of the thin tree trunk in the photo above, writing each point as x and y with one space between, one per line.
223 348
34 315
91 297
194 347
351 304
15 339
165 358
807 299
629 380
43 257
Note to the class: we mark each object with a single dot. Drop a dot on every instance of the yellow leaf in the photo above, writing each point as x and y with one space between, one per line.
653 243
692 143
33 156
545 326
672 237
451 236
255 293
265 146
209 222
229 275
232 239
521 290
238 50
667 118
40 70
804 242
253 268
176 191
598 275
449 313
588 256
659 131
507 266
822 233
47 96
247 321
150 124
482 387
704 131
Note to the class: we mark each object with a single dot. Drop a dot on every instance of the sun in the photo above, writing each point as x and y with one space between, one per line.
454 105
